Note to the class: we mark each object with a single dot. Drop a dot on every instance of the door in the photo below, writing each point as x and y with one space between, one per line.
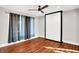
53 26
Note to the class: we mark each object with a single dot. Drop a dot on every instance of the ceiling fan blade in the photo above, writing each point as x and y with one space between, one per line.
42 11
33 10
44 7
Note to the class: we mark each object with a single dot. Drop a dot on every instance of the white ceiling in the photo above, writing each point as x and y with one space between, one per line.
23 9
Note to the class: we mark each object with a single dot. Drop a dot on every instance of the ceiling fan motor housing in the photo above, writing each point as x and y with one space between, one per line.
39 9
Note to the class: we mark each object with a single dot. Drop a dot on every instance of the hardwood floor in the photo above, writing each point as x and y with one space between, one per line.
40 45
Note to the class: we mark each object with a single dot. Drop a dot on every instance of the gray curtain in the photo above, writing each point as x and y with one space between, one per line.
27 27
20 27
13 28
10 37
32 26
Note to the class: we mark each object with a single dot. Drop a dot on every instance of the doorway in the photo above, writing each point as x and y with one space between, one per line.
53 26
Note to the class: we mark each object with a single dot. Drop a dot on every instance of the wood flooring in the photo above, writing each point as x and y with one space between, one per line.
40 45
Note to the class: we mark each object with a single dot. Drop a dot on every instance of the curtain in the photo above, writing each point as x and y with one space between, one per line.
27 27
13 28
32 27
20 27
10 37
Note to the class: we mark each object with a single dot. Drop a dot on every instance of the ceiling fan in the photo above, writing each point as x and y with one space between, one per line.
39 8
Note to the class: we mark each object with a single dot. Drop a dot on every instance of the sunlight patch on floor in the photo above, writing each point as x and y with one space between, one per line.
60 49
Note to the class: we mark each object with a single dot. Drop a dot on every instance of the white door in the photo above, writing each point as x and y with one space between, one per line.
53 26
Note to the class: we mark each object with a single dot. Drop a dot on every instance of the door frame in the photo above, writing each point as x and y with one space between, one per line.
61 18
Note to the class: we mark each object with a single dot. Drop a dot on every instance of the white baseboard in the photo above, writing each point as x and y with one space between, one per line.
75 43
37 37
7 44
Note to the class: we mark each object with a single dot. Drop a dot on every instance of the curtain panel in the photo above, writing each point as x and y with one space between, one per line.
20 27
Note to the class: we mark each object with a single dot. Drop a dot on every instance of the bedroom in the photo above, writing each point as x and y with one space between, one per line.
63 29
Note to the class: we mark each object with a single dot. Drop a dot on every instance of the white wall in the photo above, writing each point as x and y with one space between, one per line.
77 26
37 26
71 27
41 26
4 25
